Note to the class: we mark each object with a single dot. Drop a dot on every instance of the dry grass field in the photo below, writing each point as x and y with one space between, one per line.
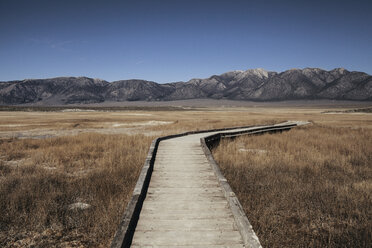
309 187
50 160
45 184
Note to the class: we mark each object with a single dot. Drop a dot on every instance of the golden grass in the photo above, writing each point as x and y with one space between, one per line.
63 123
43 177
93 160
309 187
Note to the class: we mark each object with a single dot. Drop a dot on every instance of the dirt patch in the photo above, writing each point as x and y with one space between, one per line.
50 133
258 151
146 123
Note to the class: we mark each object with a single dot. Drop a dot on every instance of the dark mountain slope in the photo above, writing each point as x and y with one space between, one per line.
253 85
135 90
62 90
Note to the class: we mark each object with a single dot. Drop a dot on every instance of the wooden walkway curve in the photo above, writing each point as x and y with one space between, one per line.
185 205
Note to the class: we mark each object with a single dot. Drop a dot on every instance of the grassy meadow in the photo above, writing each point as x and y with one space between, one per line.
50 162
308 187
42 178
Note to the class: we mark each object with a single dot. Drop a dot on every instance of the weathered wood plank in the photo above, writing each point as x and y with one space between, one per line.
206 237
189 225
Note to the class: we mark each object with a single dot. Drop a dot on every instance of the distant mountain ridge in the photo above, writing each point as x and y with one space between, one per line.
250 85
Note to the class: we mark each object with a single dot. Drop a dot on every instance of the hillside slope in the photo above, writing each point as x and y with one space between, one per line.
252 85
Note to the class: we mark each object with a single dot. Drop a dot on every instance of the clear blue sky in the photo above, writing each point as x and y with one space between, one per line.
176 40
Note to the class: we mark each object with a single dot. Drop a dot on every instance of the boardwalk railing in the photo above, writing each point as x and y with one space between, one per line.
127 226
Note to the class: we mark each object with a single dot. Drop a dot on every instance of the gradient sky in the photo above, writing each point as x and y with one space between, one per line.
167 41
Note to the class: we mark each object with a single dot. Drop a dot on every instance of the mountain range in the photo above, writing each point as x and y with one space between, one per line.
249 85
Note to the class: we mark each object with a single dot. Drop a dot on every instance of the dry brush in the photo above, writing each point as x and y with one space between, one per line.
309 187
40 179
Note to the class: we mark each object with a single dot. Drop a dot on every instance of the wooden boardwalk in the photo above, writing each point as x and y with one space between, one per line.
185 206
188 201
